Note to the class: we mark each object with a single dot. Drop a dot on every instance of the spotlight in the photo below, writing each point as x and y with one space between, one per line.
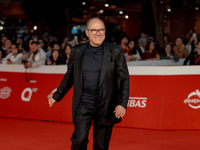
121 12
1 28
2 22
126 16
83 3
101 11
106 5
35 28
169 9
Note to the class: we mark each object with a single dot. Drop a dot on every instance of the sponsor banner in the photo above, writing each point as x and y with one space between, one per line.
193 100
155 101
29 100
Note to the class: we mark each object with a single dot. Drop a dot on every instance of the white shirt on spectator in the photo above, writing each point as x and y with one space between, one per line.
14 59
39 59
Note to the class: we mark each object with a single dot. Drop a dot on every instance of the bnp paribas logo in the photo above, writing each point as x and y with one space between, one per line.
193 100
5 92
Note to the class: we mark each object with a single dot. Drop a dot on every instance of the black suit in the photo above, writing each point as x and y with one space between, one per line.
113 85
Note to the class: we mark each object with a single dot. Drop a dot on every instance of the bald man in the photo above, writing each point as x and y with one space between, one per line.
99 73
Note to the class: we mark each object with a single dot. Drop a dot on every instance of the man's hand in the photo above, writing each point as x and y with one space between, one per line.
119 111
9 62
51 102
27 64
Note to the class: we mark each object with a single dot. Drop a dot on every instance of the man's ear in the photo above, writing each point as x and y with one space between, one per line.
86 32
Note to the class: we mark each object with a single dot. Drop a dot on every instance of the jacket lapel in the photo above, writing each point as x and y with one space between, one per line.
79 58
105 61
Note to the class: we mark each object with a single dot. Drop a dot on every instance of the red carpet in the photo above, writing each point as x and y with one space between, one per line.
39 135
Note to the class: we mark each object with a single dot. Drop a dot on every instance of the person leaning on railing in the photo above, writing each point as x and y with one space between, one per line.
150 52
168 53
14 57
37 56
194 57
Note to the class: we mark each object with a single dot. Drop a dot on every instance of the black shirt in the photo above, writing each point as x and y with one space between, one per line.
91 70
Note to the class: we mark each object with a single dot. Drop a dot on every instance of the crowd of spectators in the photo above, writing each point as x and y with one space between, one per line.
34 51
147 48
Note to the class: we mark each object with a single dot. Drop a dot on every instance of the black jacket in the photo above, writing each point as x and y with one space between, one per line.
191 59
113 85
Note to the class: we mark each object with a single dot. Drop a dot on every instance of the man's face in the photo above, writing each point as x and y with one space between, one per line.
178 41
56 46
125 41
3 40
14 49
95 32
34 47
7 43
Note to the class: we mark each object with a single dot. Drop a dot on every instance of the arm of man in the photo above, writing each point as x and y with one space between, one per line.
123 80
66 83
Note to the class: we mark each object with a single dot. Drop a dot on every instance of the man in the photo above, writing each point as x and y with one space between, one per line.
3 48
142 42
179 49
37 57
99 73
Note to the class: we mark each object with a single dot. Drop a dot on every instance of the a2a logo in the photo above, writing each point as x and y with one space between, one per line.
27 94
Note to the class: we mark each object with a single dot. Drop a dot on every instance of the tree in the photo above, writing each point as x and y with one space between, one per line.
160 9
158 13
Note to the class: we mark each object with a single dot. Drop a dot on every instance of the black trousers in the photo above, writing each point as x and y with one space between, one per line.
82 124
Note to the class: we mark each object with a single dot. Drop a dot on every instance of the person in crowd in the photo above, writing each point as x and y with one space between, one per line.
55 58
83 40
42 44
142 42
66 53
27 45
6 49
124 46
192 44
166 40
27 52
21 48
150 52
66 40
2 48
143 35
62 46
1 57
37 56
98 72
48 50
179 49
20 44
194 56
151 38
134 52
15 57
54 45
168 53
73 42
